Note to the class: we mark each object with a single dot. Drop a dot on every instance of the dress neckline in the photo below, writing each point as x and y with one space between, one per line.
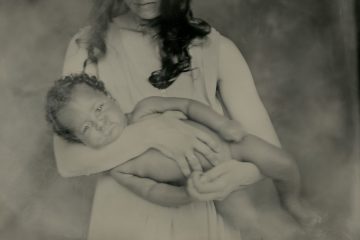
130 22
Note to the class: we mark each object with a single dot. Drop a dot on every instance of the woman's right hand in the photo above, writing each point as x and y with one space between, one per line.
180 141
220 181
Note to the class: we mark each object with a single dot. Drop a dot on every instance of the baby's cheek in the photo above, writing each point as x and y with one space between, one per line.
94 140
114 135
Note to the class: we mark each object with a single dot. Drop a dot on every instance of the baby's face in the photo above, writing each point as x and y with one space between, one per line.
94 118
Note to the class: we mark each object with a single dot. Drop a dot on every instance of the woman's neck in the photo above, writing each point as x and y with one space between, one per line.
140 24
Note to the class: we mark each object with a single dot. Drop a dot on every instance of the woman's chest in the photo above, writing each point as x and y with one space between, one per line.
135 56
141 52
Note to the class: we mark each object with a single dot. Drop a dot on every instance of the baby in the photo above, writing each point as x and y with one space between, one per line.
81 110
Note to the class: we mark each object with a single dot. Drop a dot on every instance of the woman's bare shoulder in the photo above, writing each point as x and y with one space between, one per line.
226 45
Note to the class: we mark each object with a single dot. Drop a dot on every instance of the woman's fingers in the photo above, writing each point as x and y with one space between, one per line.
207 146
193 161
192 191
208 140
183 165
207 152
203 185
219 170
220 181
184 143
195 194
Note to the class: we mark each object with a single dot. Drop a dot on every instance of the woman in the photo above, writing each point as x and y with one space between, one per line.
156 48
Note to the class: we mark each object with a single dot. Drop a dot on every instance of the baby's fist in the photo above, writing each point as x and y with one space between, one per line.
232 131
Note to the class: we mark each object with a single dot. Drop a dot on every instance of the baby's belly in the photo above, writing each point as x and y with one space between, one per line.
153 164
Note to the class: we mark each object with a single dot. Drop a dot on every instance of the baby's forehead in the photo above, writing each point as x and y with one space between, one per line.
71 115
82 99
84 90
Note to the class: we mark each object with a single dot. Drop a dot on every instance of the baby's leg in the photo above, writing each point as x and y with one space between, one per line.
152 164
239 212
276 164
156 166
255 211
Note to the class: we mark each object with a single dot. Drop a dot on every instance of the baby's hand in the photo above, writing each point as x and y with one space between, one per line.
232 131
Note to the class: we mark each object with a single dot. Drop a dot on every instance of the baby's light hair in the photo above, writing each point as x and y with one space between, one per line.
59 96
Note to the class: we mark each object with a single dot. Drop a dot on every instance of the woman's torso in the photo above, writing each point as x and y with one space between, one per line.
117 213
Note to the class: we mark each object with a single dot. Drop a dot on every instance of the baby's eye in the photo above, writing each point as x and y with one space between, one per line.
85 129
100 108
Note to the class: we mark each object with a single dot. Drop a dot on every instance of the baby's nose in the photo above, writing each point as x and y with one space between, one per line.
100 124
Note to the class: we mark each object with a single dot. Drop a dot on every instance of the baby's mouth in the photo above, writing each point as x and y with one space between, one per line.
109 129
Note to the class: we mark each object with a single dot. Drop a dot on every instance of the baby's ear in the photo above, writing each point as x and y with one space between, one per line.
175 114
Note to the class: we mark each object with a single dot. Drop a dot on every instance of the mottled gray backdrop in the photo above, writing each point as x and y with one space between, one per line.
302 56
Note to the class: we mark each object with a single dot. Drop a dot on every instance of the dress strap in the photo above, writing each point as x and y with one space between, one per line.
210 62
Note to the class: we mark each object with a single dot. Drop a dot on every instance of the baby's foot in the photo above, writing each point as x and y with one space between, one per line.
231 130
306 216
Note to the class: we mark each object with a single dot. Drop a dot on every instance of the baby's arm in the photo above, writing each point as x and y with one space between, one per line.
228 129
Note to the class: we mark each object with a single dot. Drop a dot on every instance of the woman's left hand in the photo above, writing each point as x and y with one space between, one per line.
220 181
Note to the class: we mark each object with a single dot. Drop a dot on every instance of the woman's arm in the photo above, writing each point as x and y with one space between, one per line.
239 93
78 159
158 193
75 159
147 175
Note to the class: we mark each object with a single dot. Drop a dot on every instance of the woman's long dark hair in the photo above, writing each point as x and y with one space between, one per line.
176 28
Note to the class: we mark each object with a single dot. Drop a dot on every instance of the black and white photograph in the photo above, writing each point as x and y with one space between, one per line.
179 120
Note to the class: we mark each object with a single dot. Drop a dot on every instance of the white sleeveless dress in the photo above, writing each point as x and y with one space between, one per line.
131 56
